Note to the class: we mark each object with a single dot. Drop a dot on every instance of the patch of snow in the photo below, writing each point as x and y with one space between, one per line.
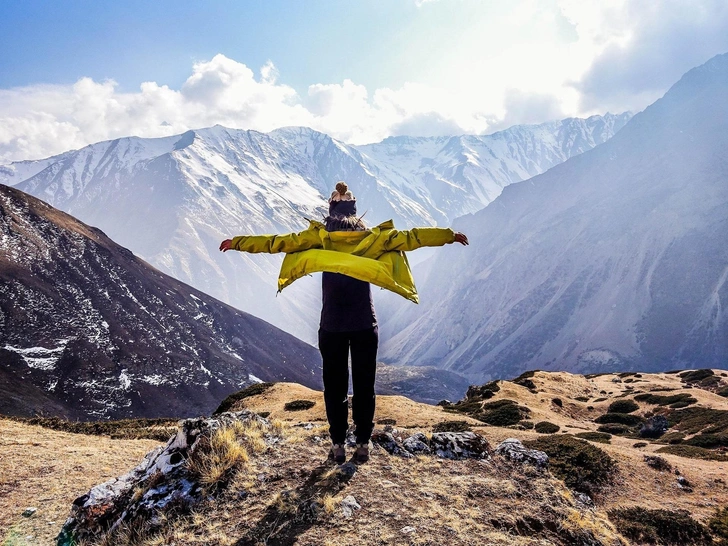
39 358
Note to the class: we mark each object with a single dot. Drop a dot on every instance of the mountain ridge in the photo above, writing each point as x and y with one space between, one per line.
171 200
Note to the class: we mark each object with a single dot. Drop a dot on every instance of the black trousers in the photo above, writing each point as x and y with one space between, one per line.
334 347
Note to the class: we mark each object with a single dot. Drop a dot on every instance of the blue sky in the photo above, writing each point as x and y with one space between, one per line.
75 72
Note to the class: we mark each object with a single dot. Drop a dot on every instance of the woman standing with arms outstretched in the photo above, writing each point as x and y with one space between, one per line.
350 257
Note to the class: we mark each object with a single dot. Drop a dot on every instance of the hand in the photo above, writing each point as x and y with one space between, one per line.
226 245
461 238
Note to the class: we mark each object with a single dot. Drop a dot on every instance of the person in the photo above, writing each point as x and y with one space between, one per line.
351 258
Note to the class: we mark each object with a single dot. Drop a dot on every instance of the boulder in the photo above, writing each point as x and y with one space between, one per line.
459 445
417 444
162 479
513 450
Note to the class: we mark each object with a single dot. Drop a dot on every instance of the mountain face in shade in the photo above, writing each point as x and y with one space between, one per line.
172 200
88 330
615 259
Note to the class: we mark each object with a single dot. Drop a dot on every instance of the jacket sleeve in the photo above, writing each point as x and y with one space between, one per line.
418 237
271 244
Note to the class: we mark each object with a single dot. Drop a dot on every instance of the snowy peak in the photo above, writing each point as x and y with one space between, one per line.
172 200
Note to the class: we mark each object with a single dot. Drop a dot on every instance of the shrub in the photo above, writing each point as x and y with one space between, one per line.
451 426
616 429
623 406
683 403
483 392
558 402
528 425
544 427
389 421
718 524
502 413
601 399
672 438
299 405
621 418
524 380
582 398
694 420
692 376
708 440
722 392
252 390
660 400
601 437
583 466
640 444
693 452
642 525
711 381
124 429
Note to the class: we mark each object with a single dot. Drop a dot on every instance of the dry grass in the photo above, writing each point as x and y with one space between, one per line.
290 492
48 469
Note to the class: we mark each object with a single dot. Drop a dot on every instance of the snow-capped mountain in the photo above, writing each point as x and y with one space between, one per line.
615 259
89 330
172 200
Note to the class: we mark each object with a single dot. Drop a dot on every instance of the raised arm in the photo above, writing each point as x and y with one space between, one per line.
418 237
272 244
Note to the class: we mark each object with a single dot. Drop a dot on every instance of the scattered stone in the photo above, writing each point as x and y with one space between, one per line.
407 530
417 443
29 512
444 403
348 505
616 380
512 449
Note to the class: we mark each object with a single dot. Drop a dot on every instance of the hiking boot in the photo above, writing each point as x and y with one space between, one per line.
338 453
361 454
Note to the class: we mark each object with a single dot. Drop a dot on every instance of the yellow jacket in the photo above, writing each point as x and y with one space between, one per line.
375 255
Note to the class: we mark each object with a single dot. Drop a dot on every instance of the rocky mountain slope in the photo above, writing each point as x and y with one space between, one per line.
87 329
615 259
657 476
172 200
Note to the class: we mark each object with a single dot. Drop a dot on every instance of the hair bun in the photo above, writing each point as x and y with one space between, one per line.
341 187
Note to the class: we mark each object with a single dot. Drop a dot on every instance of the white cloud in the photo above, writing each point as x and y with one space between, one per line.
571 57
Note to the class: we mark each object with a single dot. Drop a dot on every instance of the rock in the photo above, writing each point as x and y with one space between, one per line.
459 445
584 499
416 444
347 471
407 530
513 450
386 441
684 484
655 427
29 512
348 505
658 463
616 380
161 480
444 403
